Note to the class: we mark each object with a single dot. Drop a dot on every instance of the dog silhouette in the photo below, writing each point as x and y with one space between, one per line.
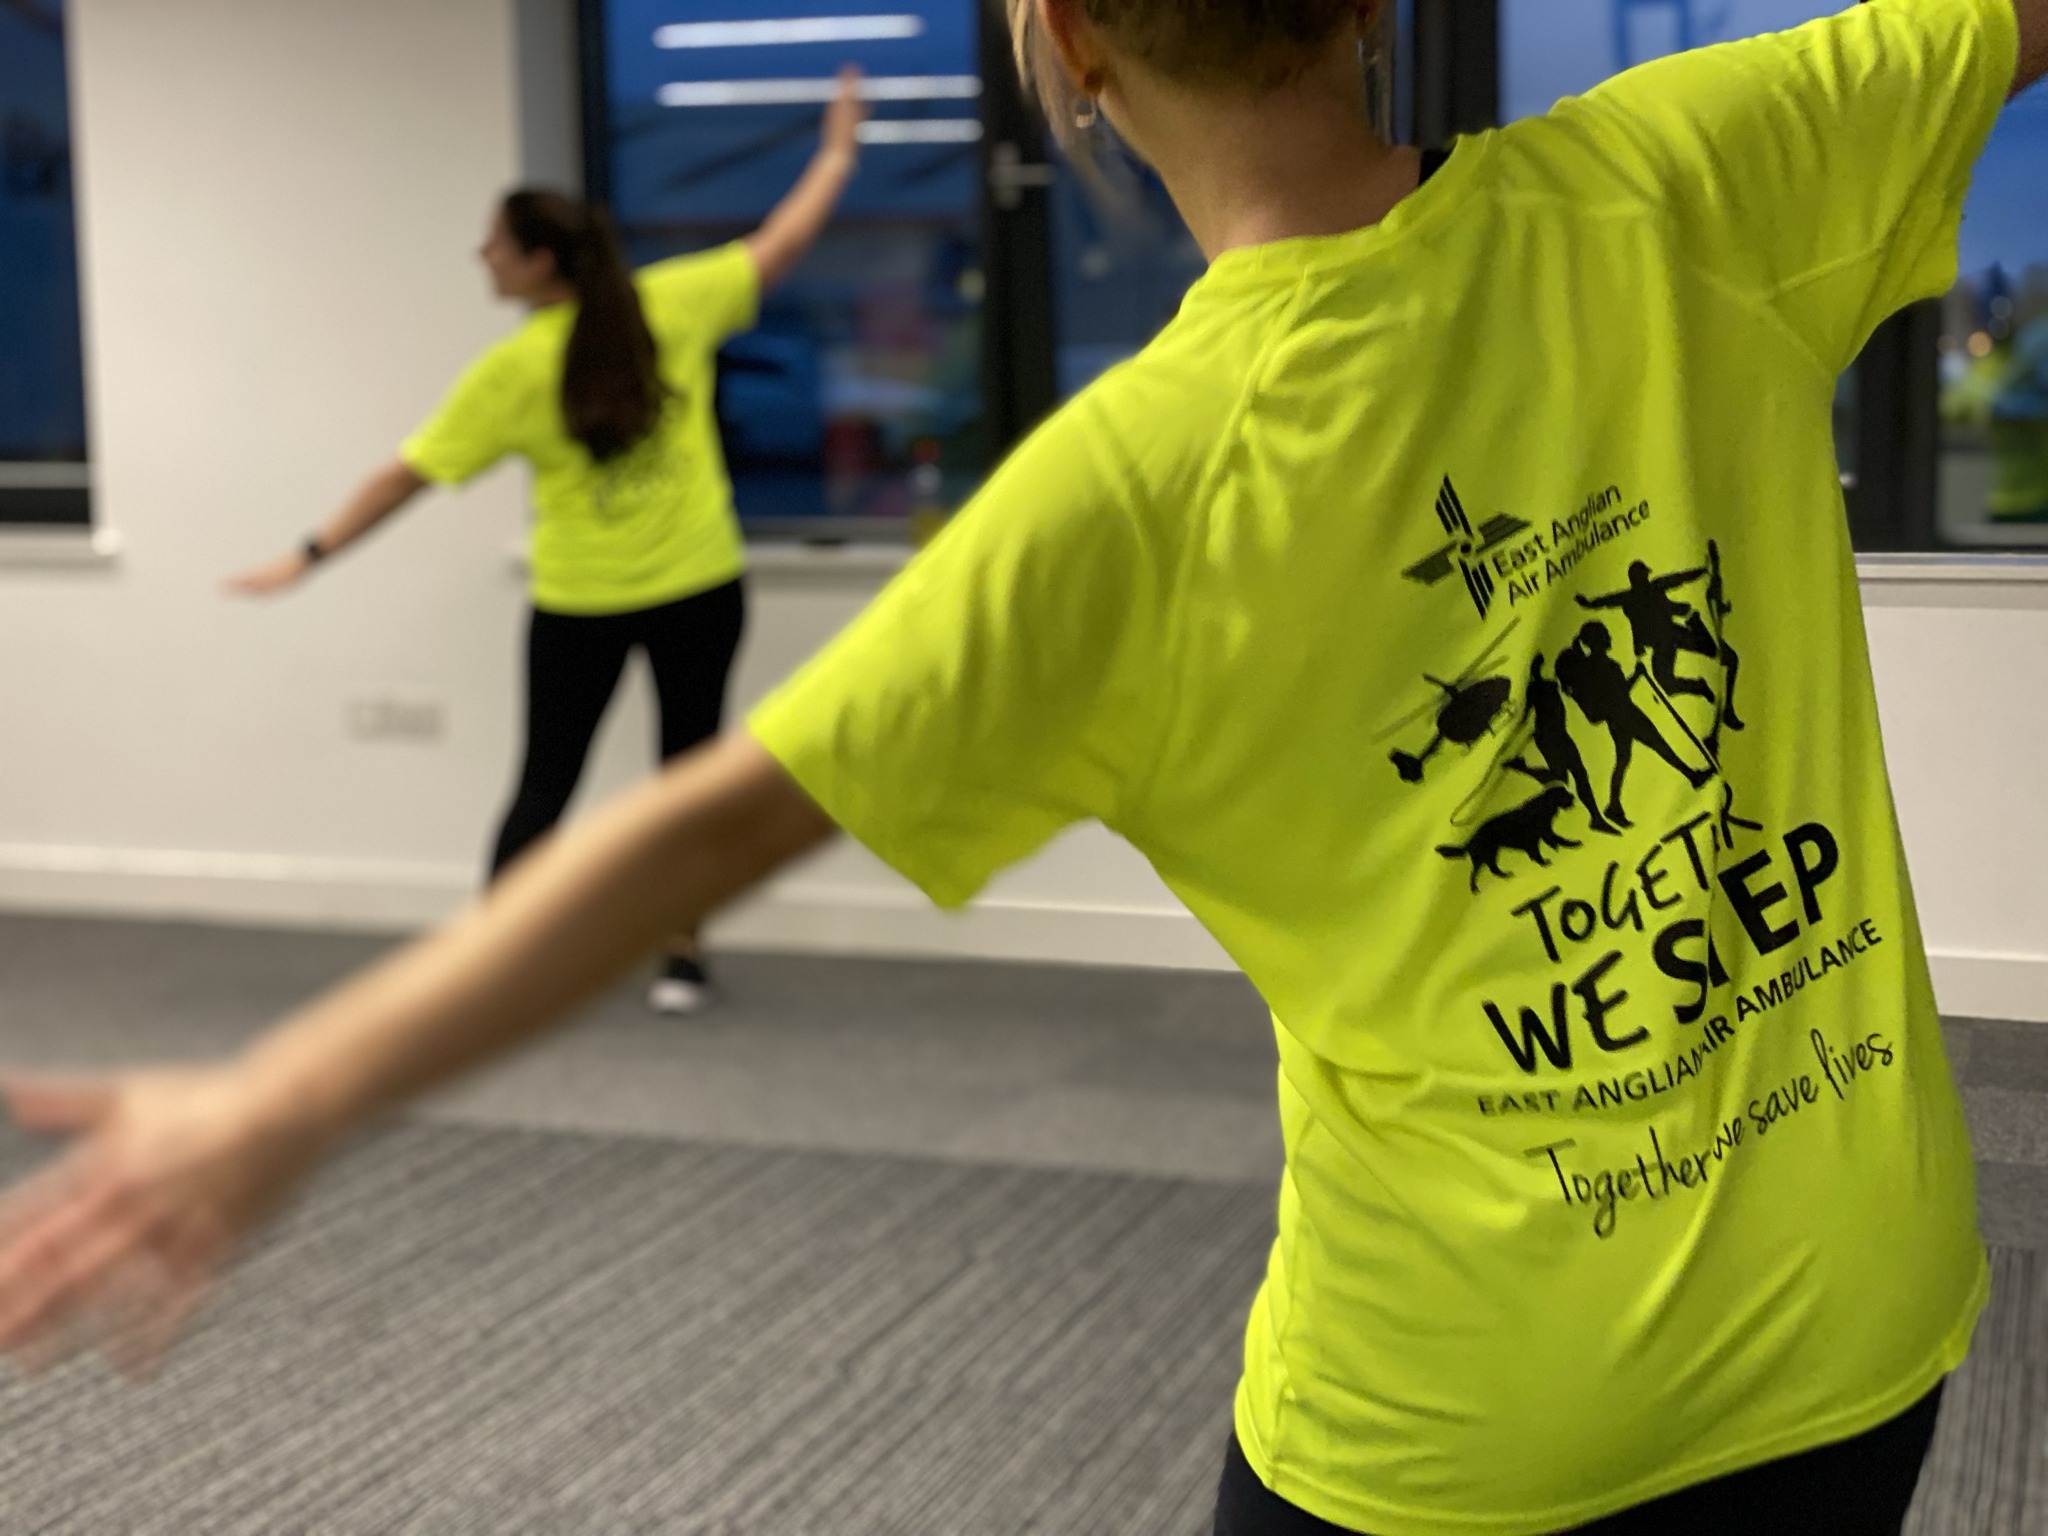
1529 828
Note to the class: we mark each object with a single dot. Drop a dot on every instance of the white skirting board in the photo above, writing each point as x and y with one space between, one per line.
392 897
261 890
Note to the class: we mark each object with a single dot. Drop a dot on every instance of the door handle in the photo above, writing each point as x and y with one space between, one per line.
1010 176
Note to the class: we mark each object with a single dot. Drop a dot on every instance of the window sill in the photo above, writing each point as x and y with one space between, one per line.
807 561
26 545
1888 581
1954 581
776 561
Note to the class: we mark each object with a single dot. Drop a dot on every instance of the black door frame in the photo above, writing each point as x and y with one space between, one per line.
1019 353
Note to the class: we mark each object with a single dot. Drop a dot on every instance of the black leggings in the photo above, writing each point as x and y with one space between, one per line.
1859 1487
573 664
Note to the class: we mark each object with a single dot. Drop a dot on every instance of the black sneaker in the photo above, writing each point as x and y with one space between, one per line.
682 987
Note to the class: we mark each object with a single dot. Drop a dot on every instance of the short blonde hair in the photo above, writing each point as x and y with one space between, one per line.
1258 44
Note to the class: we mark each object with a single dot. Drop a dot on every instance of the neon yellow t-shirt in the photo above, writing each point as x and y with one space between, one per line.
1460 616
654 524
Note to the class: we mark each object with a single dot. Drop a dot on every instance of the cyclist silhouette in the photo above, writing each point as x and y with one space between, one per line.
1605 695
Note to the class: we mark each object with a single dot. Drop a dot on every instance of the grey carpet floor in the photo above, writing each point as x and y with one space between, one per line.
473 1330
484 1330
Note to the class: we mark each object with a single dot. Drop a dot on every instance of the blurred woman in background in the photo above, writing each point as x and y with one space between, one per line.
607 391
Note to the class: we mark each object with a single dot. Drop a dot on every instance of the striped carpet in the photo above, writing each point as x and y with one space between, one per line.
495 1331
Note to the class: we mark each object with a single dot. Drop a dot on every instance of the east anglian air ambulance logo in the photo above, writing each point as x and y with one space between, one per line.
1467 551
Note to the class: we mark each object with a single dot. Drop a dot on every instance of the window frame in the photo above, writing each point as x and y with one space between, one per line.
1448 82
1017 376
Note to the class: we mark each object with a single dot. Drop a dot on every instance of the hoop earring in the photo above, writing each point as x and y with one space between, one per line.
1088 114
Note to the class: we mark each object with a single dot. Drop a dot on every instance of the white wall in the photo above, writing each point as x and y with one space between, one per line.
279 201
550 93
1962 673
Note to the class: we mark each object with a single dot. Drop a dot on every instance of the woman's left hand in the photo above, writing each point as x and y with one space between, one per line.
278 575
118 1242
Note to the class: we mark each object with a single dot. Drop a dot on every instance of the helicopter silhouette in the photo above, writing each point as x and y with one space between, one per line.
1468 712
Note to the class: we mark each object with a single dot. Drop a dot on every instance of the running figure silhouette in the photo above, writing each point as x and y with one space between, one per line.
1605 694
1562 760
1661 625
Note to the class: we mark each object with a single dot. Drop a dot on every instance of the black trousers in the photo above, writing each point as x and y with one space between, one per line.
1859 1487
573 666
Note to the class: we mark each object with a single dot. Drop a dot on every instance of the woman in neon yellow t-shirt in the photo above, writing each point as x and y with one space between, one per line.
1628 1187
607 391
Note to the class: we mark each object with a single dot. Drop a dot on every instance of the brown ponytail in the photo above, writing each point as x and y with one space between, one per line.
612 392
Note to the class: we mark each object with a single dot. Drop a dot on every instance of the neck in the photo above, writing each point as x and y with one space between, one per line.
1303 160
550 294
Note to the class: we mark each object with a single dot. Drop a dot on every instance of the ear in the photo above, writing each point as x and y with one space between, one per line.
1076 42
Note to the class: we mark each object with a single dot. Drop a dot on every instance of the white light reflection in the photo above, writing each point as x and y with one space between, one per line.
937 130
797 29
780 93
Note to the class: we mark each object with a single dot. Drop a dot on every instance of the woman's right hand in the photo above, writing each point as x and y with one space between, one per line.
119 1241
844 116
277 576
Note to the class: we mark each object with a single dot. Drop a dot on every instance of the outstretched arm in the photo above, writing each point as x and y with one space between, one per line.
124 1234
376 499
779 244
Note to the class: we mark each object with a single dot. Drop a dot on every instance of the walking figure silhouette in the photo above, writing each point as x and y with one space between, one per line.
1605 694
1551 724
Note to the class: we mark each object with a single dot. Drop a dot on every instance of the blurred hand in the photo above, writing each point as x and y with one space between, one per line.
278 576
116 1244
844 117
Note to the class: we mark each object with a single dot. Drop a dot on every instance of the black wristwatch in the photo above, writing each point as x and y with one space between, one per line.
313 550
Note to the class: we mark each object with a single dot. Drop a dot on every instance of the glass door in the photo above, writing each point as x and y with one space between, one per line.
857 405
1122 260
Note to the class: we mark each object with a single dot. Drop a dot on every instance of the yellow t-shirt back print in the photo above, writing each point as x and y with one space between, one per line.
1459 614
651 526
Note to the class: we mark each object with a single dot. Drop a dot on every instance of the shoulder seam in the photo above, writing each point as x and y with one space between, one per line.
1196 524
1759 305
1133 504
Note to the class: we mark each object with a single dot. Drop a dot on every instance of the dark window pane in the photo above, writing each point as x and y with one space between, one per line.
1551 49
857 403
42 379
1994 347
1122 262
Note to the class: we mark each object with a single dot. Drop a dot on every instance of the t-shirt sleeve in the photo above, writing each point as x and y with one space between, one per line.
995 693
715 293
1822 170
473 427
